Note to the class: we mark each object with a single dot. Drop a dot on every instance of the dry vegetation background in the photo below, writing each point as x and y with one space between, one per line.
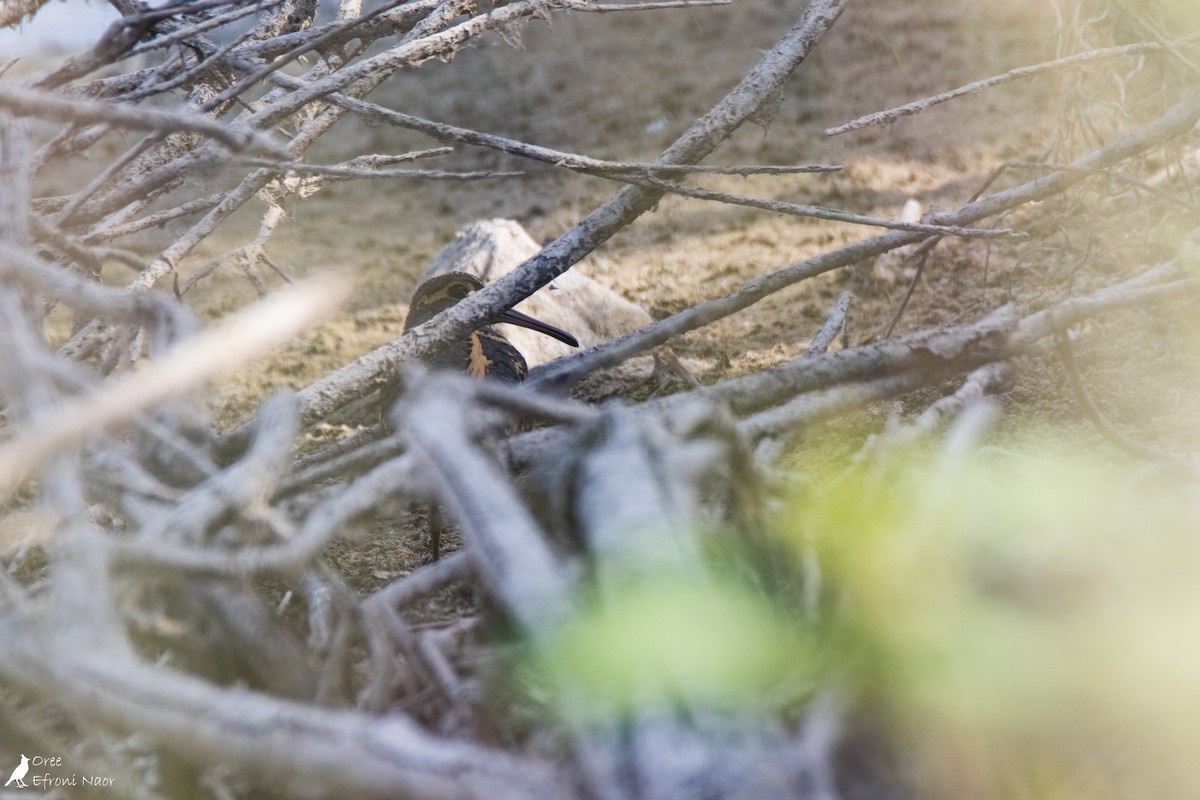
907 571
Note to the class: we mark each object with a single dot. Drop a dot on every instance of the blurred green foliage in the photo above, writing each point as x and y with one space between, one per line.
1019 626
647 644
1032 618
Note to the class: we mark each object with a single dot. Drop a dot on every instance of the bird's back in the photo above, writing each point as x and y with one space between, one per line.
493 356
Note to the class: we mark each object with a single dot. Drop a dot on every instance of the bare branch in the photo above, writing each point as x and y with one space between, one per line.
833 325
236 340
293 747
325 521
614 170
565 371
832 214
337 171
509 550
190 31
893 114
603 8
156 219
322 397
31 103
421 582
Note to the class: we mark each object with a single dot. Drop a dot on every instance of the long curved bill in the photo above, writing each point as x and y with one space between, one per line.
514 317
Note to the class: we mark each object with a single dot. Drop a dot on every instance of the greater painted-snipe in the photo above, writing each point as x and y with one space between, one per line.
484 352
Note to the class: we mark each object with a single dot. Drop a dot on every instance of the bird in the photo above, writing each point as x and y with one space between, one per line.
483 352
19 773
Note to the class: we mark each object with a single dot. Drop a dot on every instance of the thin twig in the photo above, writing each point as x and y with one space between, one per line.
832 326
187 75
156 219
1109 431
239 338
613 170
1115 175
917 106
921 256
32 103
421 582
701 138
291 55
329 518
190 31
831 214
1178 120
348 173
602 8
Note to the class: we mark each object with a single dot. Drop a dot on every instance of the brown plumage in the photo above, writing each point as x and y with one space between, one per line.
484 352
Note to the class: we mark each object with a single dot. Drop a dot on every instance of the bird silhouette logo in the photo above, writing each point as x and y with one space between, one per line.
19 773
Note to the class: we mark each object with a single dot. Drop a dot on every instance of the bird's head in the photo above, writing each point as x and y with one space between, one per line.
439 293
445 290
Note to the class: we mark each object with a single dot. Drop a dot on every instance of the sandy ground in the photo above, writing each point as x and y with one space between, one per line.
623 86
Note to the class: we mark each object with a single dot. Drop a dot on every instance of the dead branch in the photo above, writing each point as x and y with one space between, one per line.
615 170
423 581
238 340
603 8
30 103
289 746
323 397
832 214
834 324
1177 121
891 115
338 172
510 550
324 522
698 141
190 590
